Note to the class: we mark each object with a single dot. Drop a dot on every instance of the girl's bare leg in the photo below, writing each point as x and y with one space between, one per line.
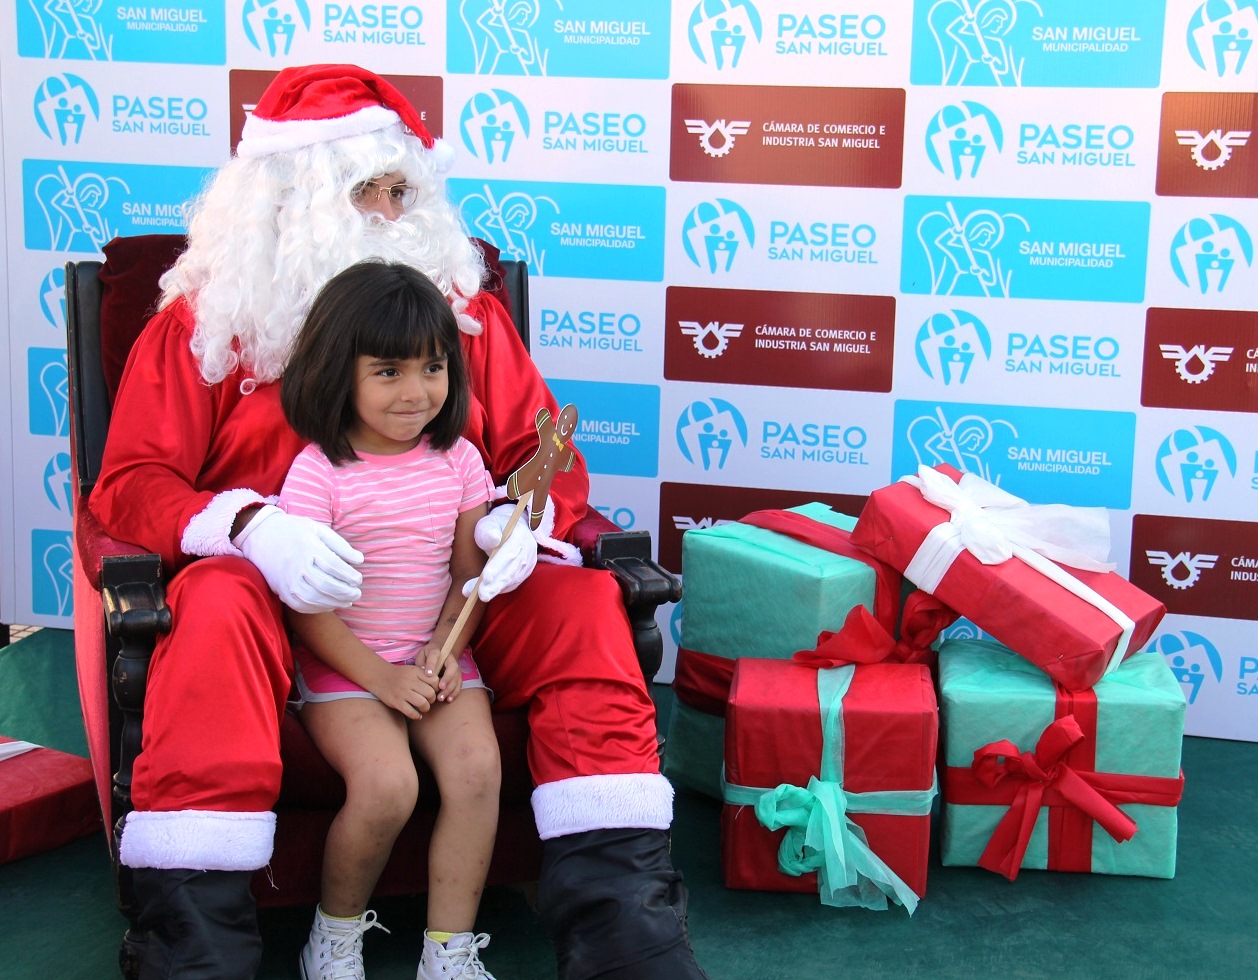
365 741
457 741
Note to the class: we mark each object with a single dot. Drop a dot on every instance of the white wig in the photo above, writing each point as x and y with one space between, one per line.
267 233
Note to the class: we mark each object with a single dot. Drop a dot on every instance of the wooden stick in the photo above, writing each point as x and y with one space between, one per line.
474 596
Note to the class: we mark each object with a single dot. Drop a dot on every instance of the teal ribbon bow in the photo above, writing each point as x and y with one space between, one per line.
820 835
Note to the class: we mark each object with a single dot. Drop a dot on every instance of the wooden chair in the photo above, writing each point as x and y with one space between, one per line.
119 599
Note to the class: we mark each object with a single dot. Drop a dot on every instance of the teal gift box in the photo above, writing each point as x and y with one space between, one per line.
754 592
1035 776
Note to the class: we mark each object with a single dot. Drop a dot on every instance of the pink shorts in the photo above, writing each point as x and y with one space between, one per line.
316 681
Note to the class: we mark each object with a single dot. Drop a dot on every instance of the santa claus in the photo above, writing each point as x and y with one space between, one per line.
198 447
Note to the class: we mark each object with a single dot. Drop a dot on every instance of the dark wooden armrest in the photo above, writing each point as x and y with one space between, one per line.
644 583
134 599
95 545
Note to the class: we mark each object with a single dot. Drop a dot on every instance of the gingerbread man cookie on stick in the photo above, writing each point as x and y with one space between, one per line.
528 486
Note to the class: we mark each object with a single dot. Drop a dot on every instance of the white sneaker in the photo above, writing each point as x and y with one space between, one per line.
457 958
335 948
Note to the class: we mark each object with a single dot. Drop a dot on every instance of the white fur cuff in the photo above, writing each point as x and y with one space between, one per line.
209 532
557 552
572 806
203 840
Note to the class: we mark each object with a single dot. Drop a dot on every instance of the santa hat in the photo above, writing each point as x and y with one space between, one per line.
319 103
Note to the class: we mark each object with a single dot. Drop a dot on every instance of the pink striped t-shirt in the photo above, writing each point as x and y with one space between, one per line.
399 511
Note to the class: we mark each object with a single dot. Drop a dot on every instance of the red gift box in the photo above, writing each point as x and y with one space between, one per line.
47 798
849 755
1066 636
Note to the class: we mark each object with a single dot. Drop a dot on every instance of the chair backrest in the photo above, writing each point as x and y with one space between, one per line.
108 303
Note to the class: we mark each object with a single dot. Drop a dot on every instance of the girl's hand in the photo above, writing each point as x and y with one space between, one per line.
407 688
450 679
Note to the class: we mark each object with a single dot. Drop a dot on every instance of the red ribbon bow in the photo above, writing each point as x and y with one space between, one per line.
863 639
1045 780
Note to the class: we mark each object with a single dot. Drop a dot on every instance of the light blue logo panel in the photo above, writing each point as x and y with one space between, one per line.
618 426
48 385
1045 455
572 38
1025 248
585 231
52 573
1049 43
191 32
78 207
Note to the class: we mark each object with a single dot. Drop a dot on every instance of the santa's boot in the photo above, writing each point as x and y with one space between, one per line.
614 907
201 925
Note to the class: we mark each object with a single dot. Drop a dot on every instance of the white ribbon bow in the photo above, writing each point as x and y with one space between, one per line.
993 525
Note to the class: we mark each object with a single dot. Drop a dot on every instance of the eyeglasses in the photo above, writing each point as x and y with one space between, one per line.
401 195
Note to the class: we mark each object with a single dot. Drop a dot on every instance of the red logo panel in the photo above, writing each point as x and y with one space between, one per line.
686 505
246 87
814 137
1200 359
830 341
1208 145
1197 567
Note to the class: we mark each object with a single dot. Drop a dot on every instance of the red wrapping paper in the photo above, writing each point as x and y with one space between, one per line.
47 798
1063 635
773 735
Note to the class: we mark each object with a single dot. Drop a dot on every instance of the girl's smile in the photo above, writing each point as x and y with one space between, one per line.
394 400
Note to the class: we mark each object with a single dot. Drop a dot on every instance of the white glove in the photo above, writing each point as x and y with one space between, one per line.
308 565
514 561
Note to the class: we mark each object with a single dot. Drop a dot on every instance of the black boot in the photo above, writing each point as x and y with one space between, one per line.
200 925
614 907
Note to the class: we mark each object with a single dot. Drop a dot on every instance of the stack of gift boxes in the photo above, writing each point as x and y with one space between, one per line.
806 694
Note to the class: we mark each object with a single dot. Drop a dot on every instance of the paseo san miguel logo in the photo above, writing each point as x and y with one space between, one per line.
719 31
1193 660
1221 34
64 104
960 136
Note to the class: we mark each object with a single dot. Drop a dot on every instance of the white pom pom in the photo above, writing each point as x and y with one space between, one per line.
468 324
442 155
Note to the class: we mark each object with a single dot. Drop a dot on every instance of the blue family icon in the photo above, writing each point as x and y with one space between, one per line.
272 25
1221 36
947 345
715 231
707 431
1189 655
719 31
959 136
1190 462
1207 250
63 105
490 124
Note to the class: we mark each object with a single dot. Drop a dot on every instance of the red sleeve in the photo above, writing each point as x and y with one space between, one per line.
159 437
507 391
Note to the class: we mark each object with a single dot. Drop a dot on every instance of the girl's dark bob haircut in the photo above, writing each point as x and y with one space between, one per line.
374 309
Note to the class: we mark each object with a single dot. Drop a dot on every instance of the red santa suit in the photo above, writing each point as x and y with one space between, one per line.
184 457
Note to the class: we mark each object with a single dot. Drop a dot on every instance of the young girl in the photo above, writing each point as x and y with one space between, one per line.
377 382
